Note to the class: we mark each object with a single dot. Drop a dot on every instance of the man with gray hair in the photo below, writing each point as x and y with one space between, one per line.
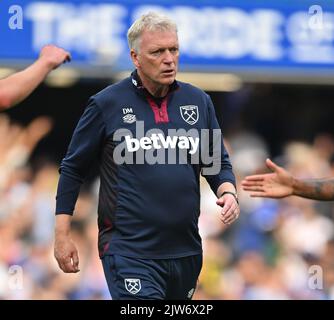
148 211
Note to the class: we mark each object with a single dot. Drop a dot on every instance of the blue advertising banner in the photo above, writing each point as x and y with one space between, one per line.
214 35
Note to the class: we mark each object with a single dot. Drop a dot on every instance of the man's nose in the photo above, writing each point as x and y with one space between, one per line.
168 57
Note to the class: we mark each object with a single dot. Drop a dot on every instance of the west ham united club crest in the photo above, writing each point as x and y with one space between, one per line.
189 114
132 285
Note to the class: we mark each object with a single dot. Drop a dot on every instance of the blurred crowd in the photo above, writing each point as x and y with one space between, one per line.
28 269
278 249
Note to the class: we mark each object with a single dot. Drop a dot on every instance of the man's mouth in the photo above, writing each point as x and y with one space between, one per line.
168 72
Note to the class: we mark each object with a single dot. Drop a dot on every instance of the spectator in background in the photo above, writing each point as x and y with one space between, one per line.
17 144
20 85
280 183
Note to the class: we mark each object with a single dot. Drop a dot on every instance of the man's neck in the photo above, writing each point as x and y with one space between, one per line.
154 89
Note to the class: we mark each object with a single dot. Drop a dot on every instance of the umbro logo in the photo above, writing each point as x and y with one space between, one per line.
128 117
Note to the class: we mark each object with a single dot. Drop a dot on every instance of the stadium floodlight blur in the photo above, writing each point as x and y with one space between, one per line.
276 41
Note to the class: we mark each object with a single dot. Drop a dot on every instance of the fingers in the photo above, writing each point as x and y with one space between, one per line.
55 55
259 194
62 56
68 58
271 165
253 188
227 207
68 265
75 261
257 177
252 183
230 210
62 263
229 215
68 259
255 191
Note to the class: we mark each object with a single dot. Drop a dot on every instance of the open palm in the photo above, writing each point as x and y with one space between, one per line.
278 184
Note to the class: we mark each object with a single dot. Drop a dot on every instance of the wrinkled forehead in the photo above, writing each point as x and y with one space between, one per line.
158 38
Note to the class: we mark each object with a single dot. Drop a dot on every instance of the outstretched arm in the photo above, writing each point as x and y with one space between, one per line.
18 86
280 183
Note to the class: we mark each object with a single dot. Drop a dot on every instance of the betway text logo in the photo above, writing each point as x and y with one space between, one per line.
158 141
174 146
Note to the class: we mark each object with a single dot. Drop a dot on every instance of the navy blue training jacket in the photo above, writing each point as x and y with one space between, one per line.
145 210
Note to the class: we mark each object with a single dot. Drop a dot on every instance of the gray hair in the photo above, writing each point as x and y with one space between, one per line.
151 21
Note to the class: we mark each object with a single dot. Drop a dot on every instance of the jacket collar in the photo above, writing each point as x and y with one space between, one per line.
141 89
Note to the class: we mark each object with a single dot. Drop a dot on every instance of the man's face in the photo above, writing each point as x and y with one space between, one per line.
158 57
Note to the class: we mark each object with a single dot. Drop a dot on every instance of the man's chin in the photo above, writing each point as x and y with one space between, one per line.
168 80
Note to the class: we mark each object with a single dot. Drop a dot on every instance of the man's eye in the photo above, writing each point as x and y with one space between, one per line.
158 52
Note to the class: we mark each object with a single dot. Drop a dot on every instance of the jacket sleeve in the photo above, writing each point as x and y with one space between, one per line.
219 169
82 152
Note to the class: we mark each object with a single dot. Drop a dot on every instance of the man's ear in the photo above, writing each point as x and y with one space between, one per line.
134 58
